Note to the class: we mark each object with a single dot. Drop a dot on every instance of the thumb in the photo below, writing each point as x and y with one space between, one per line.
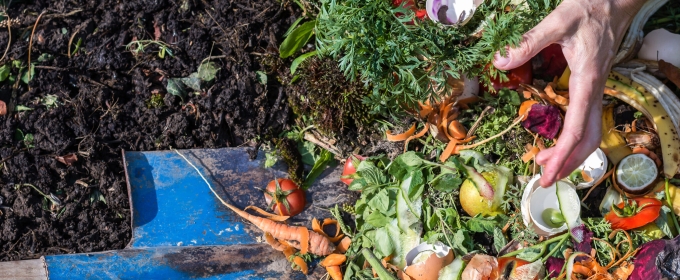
545 33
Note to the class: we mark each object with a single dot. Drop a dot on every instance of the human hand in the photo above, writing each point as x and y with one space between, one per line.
590 32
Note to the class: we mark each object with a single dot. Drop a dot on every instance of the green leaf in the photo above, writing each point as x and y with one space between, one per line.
499 239
380 202
417 185
193 82
96 195
411 159
4 72
45 57
296 63
297 39
306 150
383 242
530 253
371 173
459 241
377 219
325 157
292 27
663 223
207 71
261 77
481 224
27 76
176 87
447 182
21 108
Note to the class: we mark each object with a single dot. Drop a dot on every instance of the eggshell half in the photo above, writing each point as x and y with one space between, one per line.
440 256
661 44
535 200
451 12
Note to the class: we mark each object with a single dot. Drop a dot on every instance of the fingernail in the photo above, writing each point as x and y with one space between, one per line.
501 61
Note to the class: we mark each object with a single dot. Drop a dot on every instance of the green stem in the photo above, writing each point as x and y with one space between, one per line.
545 258
377 266
543 246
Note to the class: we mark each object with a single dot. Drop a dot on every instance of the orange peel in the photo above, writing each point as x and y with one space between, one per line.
402 136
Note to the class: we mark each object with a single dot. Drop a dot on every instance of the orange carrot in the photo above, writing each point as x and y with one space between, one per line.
315 243
333 260
320 245
304 240
344 245
270 216
334 272
274 243
447 151
301 264
418 135
530 154
402 136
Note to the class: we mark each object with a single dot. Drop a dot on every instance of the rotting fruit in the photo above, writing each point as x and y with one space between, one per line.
284 197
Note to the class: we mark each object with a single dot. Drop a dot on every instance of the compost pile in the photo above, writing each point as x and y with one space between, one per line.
103 78
449 188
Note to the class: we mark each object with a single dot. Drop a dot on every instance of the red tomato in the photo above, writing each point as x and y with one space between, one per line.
410 4
350 169
508 268
520 75
552 62
634 213
285 198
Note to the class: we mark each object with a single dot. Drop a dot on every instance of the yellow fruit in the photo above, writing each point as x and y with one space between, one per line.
473 203
651 230
613 144
668 135
674 195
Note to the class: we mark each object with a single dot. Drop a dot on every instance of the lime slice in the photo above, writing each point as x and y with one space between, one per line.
636 173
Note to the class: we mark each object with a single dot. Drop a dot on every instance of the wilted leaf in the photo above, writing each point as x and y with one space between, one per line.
193 81
27 76
175 87
261 77
67 159
4 72
207 71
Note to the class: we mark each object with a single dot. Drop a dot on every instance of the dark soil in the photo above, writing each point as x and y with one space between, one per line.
104 105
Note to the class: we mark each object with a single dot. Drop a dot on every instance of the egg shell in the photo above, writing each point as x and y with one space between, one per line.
458 11
661 44
595 166
535 200
481 267
428 269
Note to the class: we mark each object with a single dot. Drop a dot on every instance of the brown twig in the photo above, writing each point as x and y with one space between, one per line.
70 40
477 123
30 42
9 40
517 120
311 138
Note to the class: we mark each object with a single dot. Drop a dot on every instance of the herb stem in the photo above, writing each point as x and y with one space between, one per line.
545 258
543 246
376 265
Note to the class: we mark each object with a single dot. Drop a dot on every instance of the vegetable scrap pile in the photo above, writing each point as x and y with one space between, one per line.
462 199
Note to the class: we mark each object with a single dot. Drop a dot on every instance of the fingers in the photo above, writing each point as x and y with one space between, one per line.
581 133
548 31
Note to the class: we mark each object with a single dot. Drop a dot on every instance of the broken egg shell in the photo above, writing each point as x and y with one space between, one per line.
481 267
451 12
661 44
537 199
595 166
440 256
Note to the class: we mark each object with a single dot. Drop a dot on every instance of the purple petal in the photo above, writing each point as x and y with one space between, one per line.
554 266
645 261
585 244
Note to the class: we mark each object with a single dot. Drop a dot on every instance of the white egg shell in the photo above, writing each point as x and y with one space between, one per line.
661 44
537 199
595 166
457 11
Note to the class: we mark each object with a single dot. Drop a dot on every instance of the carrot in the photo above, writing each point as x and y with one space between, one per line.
301 264
580 269
418 135
400 137
318 228
530 154
304 240
344 245
278 246
447 151
271 216
333 260
334 272
316 243
525 107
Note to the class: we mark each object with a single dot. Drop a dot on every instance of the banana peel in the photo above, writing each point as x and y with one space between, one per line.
613 144
668 135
